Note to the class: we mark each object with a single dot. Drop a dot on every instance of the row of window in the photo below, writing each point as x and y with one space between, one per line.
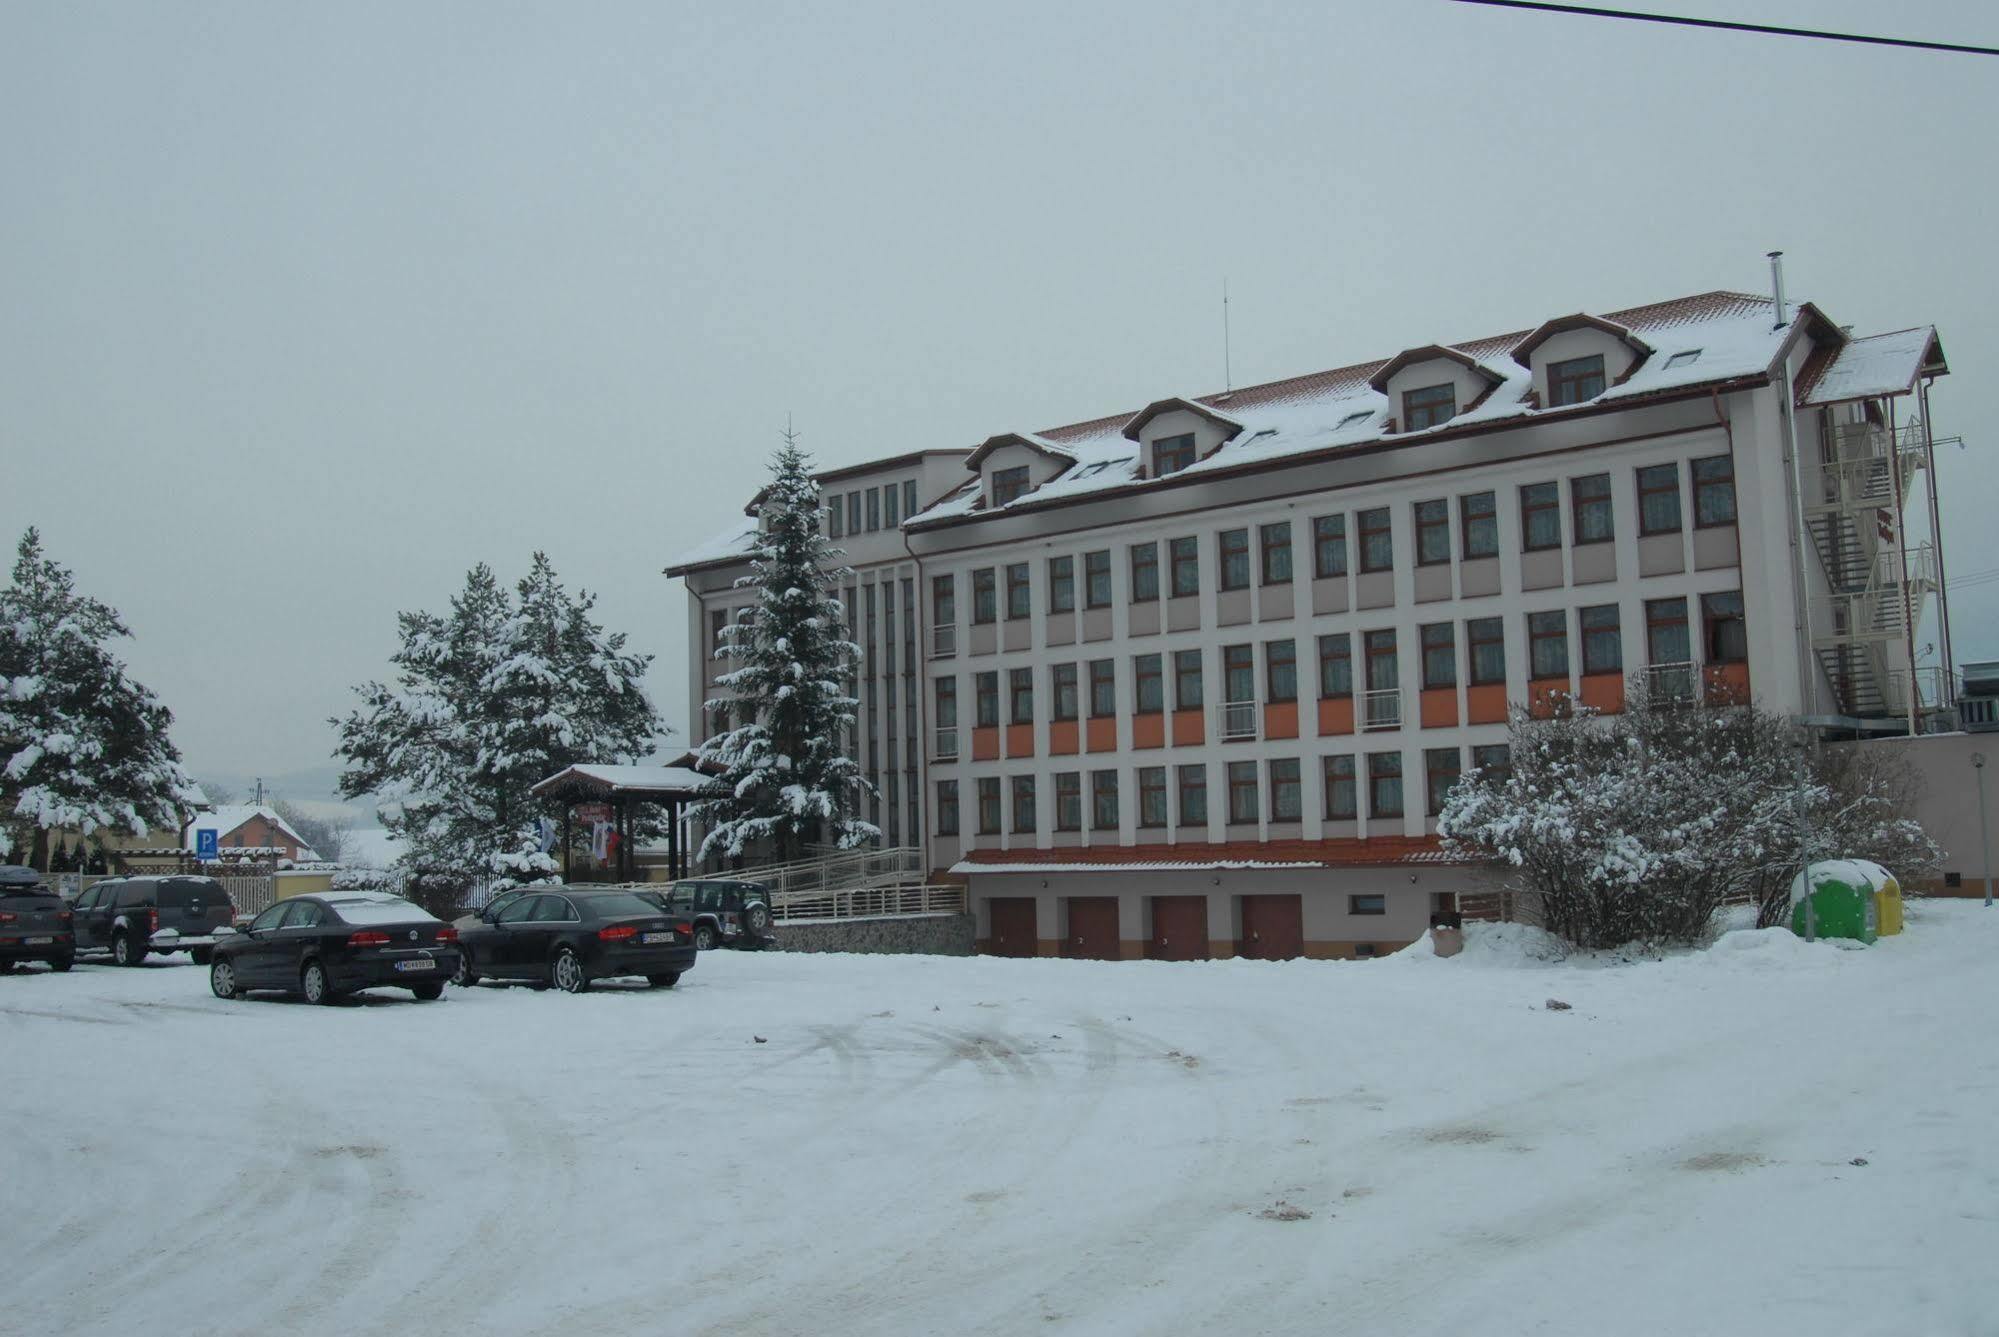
1269 560
865 510
1598 629
1248 789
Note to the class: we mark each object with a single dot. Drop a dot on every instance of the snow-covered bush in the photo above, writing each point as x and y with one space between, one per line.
525 865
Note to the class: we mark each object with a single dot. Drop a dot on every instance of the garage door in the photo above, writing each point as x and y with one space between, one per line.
1273 928
1092 928
1013 926
1179 928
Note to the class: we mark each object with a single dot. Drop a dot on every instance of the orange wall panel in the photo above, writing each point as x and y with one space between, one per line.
1148 730
1486 705
1020 740
1728 683
1542 694
1190 728
1102 735
1064 737
985 744
1335 715
1440 707
1604 692
1280 719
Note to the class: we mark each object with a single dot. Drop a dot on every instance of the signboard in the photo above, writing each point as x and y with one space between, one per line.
588 813
205 843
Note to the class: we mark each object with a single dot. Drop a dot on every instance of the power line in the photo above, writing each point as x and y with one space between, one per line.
1593 11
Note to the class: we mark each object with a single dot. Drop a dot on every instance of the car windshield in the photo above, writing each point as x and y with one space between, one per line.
382 912
615 905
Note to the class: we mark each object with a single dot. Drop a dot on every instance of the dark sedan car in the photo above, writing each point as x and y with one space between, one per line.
327 946
570 936
34 922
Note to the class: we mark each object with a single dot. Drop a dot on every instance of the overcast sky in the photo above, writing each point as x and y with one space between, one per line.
305 309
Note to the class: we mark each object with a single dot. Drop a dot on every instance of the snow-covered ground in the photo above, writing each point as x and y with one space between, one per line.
992 1146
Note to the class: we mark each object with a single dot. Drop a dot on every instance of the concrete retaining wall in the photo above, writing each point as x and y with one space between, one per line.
933 935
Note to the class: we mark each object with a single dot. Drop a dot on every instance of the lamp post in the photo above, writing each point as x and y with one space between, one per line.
1984 833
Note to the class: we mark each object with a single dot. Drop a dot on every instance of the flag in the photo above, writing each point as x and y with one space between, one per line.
548 829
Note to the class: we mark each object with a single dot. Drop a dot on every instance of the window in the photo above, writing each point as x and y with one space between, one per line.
947 807
1144 572
1356 418
718 627
1103 800
835 514
853 512
1590 495
874 508
1485 639
1684 358
1061 584
1242 792
1276 544
1329 546
985 691
1152 796
1336 664
1366 904
947 703
1062 687
1171 454
1441 767
943 600
1280 670
1548 644
1714 491
891 506
1381 667
1287 795
1666 632
1023 803
1440 656
1009 484
1540 516
1478 519
1187 693
1384 784
1726 634
1103 688
1494 762
1603 639
1659 499
985 595
1149 683
1341 800
1575 381
1193 795
1069 801
909 507
1185 555
1433 533
1019 599
989 806
1235 559
1428 406
1097 579
1020 696
1377 543
1238 673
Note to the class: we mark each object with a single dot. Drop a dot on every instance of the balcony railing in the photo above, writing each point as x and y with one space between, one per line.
944 640
1381 709
947 743
1238 720
1673 682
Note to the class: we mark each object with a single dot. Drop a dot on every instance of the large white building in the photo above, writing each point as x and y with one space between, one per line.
1192 681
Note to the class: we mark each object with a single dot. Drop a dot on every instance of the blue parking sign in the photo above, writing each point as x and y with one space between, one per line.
205 841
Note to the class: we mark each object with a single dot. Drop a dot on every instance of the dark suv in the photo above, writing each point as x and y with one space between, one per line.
34 922
725 914
131 917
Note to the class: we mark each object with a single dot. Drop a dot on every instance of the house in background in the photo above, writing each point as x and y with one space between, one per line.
247 829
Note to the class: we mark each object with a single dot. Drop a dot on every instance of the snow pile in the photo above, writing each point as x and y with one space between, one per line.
1493 946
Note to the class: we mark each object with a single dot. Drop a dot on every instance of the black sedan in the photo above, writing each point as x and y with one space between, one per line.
570 936
328 946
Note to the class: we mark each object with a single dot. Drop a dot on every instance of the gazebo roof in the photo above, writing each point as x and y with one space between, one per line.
653 784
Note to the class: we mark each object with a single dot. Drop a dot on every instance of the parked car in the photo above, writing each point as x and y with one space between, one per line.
133 917
572 936
724 913
330 945
35 924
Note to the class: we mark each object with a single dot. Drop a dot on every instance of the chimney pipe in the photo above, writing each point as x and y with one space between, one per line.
1777 288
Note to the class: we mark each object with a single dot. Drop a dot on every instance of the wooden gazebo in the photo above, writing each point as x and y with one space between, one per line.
621 788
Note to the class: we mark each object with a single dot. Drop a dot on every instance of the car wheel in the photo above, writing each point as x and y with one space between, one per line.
222 979
59 964
312 982
756 919
201 956
429 991
125 951
666 981
462 974
568 972
704 937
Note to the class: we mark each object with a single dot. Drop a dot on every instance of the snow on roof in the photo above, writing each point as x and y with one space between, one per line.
1339 852
625 779
229 816
734 541
1731 336
1880 364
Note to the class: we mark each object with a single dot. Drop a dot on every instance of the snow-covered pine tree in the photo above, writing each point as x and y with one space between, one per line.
787 778
82 746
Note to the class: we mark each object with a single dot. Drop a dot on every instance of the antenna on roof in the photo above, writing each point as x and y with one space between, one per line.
1228 376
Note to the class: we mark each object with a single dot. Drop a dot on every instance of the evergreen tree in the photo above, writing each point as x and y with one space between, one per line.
788 780
82 746
489 699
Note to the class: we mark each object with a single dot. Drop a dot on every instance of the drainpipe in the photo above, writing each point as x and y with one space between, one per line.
1800 541
1936 545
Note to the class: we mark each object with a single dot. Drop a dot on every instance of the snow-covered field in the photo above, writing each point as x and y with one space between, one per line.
925 1145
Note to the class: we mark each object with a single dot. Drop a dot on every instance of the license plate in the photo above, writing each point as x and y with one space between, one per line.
655 937
38 942
416 965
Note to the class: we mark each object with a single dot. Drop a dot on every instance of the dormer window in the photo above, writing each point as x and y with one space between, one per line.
1429 406
1576 381
1171 454
1009 484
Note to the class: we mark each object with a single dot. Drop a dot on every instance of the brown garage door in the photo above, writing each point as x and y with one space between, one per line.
1013 926
1273 928
1092 928
1179 928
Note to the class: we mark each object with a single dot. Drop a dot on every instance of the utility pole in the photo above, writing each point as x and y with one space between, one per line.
1984 832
